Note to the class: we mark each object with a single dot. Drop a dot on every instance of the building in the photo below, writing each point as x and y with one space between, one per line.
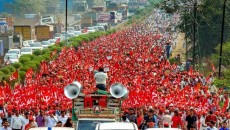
96 3
79 6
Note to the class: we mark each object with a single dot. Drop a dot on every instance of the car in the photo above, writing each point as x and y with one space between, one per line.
91 29
77 33
25 44
45 44
116 126
11 58
26 50
53 41
36 46
15 51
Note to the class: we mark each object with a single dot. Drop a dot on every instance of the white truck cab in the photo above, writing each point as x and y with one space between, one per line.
116 126
53 128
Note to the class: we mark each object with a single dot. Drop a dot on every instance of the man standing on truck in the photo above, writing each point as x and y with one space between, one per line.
100 78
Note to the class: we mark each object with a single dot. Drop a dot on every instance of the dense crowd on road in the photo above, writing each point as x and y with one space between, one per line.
161 94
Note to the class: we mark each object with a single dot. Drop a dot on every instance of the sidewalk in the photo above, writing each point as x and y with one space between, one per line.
179 49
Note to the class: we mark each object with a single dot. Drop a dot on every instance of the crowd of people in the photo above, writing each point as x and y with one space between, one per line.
161 94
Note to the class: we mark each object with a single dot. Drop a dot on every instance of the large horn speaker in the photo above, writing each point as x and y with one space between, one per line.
73 90
118 90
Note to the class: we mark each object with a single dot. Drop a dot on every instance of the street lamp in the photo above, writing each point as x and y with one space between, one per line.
194 35
222 38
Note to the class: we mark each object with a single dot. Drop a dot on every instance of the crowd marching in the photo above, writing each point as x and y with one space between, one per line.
160 94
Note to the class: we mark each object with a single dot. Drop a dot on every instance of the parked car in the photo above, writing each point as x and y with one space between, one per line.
10 58
15 51
26 50
52 41
25 44
77 33
91 29
36 46
45 44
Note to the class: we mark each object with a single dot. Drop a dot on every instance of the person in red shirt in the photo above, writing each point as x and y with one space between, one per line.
176 120
139 118
210 117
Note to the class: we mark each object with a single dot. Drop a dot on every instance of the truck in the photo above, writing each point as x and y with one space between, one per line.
86 22
97 107
123 9
44 32
113 17
23 30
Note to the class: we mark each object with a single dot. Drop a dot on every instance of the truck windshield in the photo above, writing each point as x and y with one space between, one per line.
89 124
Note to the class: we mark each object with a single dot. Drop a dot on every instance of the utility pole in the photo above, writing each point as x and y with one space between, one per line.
194 34
66 15
222 38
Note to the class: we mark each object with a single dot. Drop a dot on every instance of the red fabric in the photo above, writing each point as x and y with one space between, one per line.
176 121
139 120
14 76
211 118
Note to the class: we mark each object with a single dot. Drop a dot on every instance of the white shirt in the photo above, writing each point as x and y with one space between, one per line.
16 122
25 122
209 128
167 119
62 119
8 128
100 78
51 122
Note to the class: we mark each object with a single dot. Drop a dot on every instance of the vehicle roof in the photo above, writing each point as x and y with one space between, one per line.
14 50
26 48
8 54
96 119
53 128
117 126
163 129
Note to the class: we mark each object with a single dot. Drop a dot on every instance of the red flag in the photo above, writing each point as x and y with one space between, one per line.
14 76
213 68
29 73
58 41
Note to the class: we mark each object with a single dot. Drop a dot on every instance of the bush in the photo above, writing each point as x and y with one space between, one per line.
11 68
1 75
22 75
5 70
24 58
37 52
17 65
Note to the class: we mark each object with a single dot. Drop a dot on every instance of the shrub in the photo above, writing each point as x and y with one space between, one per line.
37 52
11 68
25 58
22 75
5 70
17 65
1 75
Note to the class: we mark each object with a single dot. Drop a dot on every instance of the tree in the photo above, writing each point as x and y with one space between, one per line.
208 22
21 7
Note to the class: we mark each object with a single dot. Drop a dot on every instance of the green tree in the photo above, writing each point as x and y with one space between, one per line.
21 7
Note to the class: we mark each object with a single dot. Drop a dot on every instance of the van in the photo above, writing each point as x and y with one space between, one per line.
116 126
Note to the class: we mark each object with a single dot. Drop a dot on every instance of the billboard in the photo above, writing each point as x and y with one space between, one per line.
104 17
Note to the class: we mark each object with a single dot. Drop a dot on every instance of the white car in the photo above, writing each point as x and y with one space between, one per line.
15 51
52 41
11 58
36 46
116 126
77 33
91 29
25 44
26 50
45 44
